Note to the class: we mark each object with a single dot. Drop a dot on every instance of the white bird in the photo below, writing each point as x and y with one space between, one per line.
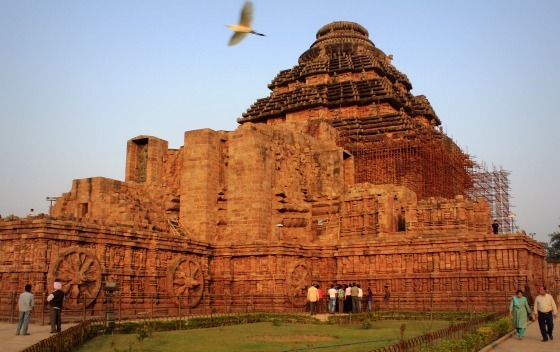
244 25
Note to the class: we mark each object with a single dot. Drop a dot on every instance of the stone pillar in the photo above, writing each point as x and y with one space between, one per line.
144 159
200 183
249 184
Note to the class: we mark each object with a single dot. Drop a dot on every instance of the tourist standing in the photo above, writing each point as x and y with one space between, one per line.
545 310
369 299
332 298
348 298
518 310
55 300
340 292
354 291
321 302
386 296
495 227
312 298
26 303
360 298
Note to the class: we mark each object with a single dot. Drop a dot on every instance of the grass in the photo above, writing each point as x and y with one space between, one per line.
269 337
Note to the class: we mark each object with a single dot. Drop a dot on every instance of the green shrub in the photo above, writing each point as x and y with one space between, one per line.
212 321
474 341
487 332
367 324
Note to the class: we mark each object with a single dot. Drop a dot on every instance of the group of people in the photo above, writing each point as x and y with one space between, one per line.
545 312
342 298
27 301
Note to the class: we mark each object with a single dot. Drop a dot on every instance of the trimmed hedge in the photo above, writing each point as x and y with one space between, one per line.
374 316
209 322
476 340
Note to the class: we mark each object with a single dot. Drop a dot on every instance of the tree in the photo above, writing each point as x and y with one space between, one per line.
553 250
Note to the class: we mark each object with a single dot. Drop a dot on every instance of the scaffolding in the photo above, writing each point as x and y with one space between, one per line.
397 149
394 149
493 187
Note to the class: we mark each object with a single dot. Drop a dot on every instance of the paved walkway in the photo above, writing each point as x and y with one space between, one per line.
531 341
12 343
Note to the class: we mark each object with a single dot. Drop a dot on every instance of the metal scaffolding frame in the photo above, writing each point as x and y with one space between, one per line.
493 187
403 152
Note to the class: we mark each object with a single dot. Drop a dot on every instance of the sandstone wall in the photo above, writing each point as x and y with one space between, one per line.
479 269
239 187
110 202
84 257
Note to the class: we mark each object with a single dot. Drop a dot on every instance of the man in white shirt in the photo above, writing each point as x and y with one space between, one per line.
332 298
545 310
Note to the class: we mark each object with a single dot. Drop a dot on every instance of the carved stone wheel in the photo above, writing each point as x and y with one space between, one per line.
297 283
185 281
79 272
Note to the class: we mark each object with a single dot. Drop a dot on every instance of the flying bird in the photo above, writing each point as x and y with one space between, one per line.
244 25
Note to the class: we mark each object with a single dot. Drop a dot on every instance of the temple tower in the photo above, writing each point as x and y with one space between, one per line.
346 80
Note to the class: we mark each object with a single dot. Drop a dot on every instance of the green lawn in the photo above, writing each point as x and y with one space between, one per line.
269 337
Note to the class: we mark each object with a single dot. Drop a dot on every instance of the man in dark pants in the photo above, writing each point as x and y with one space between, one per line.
313 298
386 296
495 227
55 302
354 291
545 310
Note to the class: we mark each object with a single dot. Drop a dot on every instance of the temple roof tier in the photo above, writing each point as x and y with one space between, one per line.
332 95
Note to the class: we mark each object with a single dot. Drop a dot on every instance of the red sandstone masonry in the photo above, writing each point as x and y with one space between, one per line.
274 205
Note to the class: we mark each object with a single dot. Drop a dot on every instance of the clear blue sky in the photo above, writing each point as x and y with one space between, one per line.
80 78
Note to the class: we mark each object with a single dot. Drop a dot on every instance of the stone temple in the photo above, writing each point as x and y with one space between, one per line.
339 175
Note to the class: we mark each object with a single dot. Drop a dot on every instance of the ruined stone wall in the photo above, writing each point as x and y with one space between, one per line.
84 257
237 187
435 216
149 196
106 201
147 161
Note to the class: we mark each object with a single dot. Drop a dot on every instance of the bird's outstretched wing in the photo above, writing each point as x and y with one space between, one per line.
246 14
236 38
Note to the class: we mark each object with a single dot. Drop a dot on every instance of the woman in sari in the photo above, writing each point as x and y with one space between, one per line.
518 310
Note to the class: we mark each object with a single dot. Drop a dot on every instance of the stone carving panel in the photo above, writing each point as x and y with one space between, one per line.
79 272
296 283
185 281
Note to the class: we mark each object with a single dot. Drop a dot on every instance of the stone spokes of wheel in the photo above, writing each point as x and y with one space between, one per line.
79 272
185 281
